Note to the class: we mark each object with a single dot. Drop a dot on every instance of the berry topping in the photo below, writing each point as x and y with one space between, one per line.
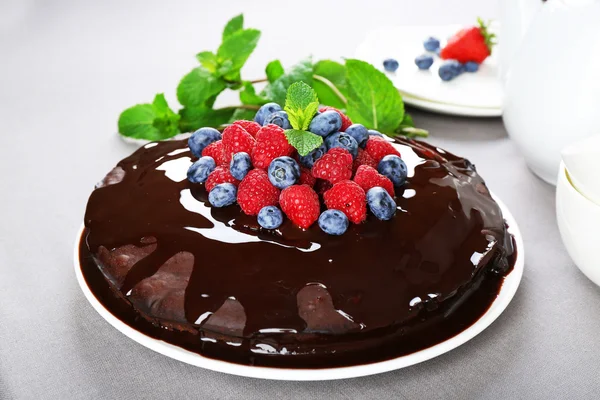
240 165
216 150
394 168
270 144
470 44
390 65
250 126
344 141
199 171
283 172
363 158
359 133
367 177
349 198
424 61
270 217
450 70
306 177
236 139
222 195
345 120
334 166
431 44
325 123
279 118
379 147
220 175
301 205
309 159
202 138
471 66
256 191
381 204
333 222
265 111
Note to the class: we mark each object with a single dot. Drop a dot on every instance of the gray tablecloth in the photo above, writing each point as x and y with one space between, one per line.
68 68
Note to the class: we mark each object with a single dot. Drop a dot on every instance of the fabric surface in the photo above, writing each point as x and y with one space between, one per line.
68 68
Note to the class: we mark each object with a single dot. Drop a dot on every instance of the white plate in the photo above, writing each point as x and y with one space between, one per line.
506 294
450 109
403 43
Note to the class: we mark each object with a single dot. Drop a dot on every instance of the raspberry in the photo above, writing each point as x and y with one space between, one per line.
256 191
217 152
236 139
367 177
250 126
349 198
363 158
322 186
378 147
220 175
334 166
306 177
301 205
270 144
345 120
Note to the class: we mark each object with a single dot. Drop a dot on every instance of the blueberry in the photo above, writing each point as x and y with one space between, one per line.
202 138
279 118
309 160
333 222
199 171
424 61
265 111
394 168
390 65
471 66
270 217
343 140
431 44
283 172
450 70
325 123
381 203
359 133
373 132
240 165
222 195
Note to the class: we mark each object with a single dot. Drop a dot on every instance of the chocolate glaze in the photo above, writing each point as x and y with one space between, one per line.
212 281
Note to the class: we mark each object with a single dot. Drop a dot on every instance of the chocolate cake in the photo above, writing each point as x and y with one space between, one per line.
163 260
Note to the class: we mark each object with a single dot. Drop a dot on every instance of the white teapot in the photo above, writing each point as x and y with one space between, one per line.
550 63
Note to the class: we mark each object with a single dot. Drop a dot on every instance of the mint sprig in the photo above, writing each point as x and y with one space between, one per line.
149 121
301 104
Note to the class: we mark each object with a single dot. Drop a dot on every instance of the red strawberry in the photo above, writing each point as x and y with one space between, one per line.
363 158
349 198
378 147
470 44
220 175
334 166
306 177
368 177
301 205
217 152
236 139
345 120
250 126
322 186
270 143
256 191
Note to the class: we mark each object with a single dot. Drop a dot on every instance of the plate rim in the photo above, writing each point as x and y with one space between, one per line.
451 109
507 292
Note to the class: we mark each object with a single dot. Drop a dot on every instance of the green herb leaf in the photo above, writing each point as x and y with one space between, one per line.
330 83
309 113
236 48
154 121
301 104
198 86
274 70
248 95
193 118
235 24
277 90
208 60
372 98
407 122
242 113
303 141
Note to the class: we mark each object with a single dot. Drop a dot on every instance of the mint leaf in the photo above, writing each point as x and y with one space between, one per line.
330 83
154 121
193 118
309 113
303 141
277 91
235 24
236 48
242 113
248 95
372 98
407 122
274 70
198 86
299 96
208 60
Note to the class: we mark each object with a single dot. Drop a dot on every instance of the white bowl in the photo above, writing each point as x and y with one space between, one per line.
578 221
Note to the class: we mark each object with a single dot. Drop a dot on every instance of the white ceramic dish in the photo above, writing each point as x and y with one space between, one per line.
506 294
450 109
578 220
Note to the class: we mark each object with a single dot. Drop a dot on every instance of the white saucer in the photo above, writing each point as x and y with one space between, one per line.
511 283
471 94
